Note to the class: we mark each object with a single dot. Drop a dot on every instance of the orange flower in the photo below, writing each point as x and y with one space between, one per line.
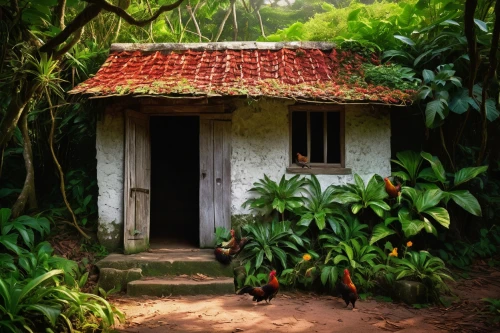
394 252
409 244
306 257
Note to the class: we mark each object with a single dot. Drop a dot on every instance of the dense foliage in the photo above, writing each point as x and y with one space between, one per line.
360 227
445 49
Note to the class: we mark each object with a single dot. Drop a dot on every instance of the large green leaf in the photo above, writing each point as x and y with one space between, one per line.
411 227
436 165
461 101
320 220
434 108
466 174
347 197
380 231
431 229
279 205
410 161
377 210
4 216
375 190
428 199
36 282
481 25
466 200
259 259
428 75
10 242
405 40
440 215
356 208
491 110
51 312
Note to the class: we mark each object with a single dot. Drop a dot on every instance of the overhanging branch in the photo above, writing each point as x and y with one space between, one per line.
90 12
126 16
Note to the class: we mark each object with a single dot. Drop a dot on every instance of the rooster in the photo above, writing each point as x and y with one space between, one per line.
267 292
393 191
230 249
302 161
348 289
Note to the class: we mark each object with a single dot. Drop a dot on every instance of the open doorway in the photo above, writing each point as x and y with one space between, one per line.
175 161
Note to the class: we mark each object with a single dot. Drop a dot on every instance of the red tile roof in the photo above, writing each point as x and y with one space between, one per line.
300 70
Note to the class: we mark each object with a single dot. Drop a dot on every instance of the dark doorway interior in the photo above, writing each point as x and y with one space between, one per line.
175 161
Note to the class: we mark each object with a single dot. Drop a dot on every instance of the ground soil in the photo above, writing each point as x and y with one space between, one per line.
305 312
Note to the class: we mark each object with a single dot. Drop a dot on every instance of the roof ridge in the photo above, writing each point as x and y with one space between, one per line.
118 47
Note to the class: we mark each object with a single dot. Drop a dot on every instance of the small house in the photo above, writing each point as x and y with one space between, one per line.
188 128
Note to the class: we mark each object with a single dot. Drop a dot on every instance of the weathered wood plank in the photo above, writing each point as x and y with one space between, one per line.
218 174
192 109
319 171
226 165
206 184
137 175
316 107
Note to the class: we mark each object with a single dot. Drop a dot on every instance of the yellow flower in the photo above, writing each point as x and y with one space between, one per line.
306 257
409 244
394 252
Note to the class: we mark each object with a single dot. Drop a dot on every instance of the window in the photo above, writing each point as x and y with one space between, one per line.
318 133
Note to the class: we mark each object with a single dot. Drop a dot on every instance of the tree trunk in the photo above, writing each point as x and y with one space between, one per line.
14 111
59 168
223 23
27 195
59 11
191 13
486 83
257 12
235 22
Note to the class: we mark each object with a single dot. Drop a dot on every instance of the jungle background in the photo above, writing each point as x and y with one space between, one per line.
445 146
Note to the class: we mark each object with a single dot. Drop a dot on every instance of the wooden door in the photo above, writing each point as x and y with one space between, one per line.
137 182
215 178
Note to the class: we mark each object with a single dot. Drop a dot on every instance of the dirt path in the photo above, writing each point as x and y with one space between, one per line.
302 312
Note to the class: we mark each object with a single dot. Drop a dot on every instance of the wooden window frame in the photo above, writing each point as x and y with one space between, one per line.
318 168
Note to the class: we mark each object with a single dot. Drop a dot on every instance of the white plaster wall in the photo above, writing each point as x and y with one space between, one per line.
110 159
368 140
260 140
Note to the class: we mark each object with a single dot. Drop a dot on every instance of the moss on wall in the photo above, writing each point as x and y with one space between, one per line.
110 235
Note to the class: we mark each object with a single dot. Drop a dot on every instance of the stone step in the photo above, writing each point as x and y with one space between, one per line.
177 286
171 263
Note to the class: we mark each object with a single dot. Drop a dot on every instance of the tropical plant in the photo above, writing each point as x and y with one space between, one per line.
279 197
80 188
270 244
356 255
221 235
23 226
463 198
433 187
304 271
318 205
423 267
57 306
438 87
410 162
41 260
20 299
252 278
391 75
344 228
360 197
